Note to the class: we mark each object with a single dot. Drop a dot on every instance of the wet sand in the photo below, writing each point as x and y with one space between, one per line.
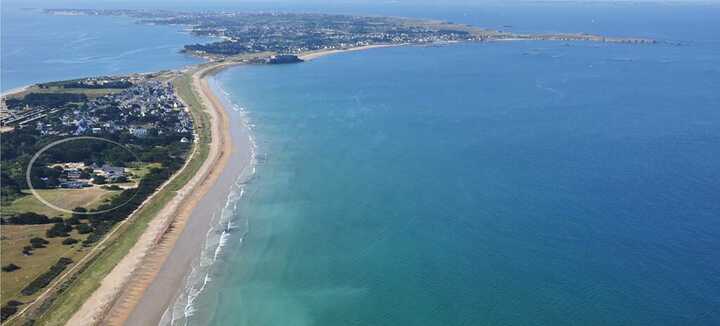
163 289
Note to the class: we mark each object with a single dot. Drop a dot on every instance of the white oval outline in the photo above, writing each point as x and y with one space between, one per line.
65 140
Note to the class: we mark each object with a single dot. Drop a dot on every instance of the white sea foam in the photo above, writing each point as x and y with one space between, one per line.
224 230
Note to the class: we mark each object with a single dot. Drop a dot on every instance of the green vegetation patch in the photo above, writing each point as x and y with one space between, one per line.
44 279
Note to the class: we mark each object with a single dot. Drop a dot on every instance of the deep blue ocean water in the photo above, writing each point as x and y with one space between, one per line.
514 183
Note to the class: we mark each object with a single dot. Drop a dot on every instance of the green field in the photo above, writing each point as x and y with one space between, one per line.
14 238
141 170
62 198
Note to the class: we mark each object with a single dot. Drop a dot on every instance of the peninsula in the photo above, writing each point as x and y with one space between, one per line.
112 278
299 33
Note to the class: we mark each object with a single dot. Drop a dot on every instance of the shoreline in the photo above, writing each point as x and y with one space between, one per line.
321 53
131 293
126 285
160 293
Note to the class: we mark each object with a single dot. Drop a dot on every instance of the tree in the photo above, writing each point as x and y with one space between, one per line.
99 180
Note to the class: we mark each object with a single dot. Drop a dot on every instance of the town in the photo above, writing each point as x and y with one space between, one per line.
143 108
298 33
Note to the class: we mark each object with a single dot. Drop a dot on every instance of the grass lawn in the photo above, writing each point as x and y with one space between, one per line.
140 170
14 238
63 198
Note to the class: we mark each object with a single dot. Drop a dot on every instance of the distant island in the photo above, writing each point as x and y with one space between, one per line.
300 33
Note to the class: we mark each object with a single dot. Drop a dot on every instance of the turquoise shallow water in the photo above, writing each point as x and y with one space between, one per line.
492 184
501 184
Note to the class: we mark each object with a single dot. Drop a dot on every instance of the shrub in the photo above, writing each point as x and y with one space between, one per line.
47 277
69 241
10 308
112 187
38 242
59 230
99 180
7 311
83 228
10 267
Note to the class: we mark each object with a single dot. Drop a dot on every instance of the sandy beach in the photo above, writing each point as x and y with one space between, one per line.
237 165
317 54
132 294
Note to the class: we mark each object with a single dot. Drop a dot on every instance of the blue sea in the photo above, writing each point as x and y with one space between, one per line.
37 47
507 183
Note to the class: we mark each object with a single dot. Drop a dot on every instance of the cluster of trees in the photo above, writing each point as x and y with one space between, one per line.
9 309
44 279
61 229
45 100
30 218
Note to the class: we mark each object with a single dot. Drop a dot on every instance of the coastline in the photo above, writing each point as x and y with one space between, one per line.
130 293
125 286
238 160
136 296
173 237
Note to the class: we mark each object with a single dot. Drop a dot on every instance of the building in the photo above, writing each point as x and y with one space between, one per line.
284 58
73 174
138 132
112 173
